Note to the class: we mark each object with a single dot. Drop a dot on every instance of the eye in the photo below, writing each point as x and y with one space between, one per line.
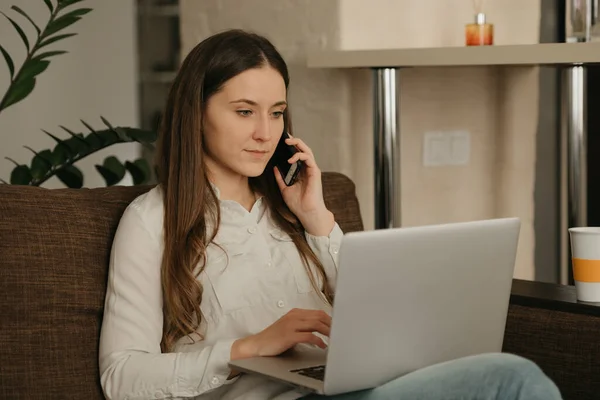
244 113
278 114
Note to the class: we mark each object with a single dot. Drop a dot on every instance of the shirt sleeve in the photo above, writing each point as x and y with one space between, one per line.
327 249
130 359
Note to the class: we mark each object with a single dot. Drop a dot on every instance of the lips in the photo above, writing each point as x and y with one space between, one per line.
259 155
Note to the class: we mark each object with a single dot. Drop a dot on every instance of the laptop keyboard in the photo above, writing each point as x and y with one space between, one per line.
317 372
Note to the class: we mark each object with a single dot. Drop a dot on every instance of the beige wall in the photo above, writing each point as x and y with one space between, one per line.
332 109
319 99
97 77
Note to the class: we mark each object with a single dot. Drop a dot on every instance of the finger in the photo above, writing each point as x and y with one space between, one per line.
299 143
313 326
324 317
279 179
310 339
309 314
307 158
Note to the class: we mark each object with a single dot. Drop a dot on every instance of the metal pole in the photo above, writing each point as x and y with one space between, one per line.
576 154
386 131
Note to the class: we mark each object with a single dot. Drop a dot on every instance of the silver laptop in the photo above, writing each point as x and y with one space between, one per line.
406 298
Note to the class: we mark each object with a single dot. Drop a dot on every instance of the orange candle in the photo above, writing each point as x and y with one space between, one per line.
479 33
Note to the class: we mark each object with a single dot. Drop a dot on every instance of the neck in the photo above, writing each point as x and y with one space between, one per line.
233 187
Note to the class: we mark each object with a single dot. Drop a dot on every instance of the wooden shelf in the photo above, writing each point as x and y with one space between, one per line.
513 55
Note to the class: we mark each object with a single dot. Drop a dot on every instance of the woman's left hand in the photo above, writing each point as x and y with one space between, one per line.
305 196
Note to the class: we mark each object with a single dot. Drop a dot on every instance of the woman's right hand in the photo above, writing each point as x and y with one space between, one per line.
297 326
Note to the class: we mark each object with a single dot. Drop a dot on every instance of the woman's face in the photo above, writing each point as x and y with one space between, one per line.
243 123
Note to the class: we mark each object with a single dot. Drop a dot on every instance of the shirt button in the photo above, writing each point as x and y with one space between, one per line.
159 395
269 264
334 250
280 304
252 229
214 380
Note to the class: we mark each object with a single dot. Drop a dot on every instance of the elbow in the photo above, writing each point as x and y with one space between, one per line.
114 377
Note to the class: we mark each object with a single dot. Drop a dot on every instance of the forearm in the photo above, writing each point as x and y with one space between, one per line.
319 223
326 248
139 375
241 348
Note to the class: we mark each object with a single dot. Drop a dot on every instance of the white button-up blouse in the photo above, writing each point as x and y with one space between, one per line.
262 280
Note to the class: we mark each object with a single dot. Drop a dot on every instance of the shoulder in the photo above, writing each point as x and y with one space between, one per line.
147 209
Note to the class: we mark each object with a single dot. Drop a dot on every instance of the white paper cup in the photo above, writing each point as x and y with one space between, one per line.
585 253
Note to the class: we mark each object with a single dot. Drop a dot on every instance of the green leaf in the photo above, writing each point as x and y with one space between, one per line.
12 161
55 39
48 54
91 129
76 147
19 31
49 5
64 21
9 62
71 176
111 170
94 140
42 163
83 143
31 70
106 122
23 13
61 158
60 154
65 3
112 163
141 136
20 175
62 149
122 134
108 137
18 92
59 24
80 12
139 170
70 132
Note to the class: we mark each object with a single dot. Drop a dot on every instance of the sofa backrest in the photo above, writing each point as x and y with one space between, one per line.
54 251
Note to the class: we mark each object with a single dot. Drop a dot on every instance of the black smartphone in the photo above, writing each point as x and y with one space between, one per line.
283 152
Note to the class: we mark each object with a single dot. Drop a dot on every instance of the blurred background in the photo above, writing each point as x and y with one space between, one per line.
126 53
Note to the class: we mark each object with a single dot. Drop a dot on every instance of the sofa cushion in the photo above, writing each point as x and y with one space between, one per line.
54 250
564 344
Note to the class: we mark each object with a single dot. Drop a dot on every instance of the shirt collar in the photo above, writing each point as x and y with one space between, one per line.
234 209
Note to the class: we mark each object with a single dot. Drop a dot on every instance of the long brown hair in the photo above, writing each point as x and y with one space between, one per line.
191 207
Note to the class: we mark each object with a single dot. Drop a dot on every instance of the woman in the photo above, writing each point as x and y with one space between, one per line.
222 260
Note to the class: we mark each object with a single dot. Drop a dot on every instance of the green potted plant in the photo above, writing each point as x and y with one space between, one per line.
60 161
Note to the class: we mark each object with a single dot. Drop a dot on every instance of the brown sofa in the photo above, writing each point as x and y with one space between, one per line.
54 248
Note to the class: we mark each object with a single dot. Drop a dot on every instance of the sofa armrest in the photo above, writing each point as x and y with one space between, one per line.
547 325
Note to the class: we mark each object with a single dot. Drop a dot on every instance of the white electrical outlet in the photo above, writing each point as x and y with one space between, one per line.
435 152
446 148
460 148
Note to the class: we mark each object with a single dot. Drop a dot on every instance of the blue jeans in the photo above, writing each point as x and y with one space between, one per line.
481 377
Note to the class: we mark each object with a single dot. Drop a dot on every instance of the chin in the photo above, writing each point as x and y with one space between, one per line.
252 171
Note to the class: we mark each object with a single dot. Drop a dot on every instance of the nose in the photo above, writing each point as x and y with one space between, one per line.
262 131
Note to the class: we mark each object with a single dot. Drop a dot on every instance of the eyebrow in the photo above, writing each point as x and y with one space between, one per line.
253 103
